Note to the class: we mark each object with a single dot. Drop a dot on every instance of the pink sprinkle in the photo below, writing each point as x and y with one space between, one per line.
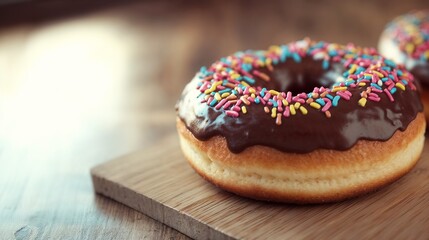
373 89
375 78
297 99
289 96
231 113
389 95
267 96
327 105
250 99
238 102
375 99
209 100
220 104
236 108
383 72
352 76
348 62
279 106
286 113
246 91
227 105
343 95
204 86
239 90
302 95
262 100
347 92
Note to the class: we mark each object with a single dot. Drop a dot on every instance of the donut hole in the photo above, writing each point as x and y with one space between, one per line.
303 76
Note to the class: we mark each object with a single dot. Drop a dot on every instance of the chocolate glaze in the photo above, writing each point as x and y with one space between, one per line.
300 133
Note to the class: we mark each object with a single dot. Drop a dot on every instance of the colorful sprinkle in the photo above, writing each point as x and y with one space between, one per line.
229 84
411 33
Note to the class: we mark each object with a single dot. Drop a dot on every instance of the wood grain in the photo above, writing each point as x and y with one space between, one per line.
83 82
159 182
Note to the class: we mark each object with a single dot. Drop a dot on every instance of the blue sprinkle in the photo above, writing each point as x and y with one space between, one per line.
393 90
325 64
386 68
390 63
332 53
375 85
262 93
335 101
234 92
203 69
399 72
404 82
329 96
285 53
224 91
384 79
213 93
296 57
273 102
368 77
310 95
391 76
213 102
320 101
346 74
359 70
257 101
349 82
249 80
200 84
366 56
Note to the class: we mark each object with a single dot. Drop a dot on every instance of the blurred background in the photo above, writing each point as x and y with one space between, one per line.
82 82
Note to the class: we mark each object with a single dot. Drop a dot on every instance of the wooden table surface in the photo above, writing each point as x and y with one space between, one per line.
100 81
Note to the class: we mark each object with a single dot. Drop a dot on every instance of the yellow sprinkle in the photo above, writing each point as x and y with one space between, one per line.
400 85
244 109
231 97
361 84
273 112
213 87
247 59
285 102
303 110
275 49
292 110
225 94
217 96
336 89
353 69
427 54
273 92
268 63
245 84
362 102
252 90
409 48
235 76
297 105
378 73
253 95
260 63
315 105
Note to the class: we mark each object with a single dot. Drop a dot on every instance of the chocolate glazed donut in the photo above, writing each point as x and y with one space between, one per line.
293 123
406 41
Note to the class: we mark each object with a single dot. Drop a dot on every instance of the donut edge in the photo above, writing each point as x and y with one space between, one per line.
317 177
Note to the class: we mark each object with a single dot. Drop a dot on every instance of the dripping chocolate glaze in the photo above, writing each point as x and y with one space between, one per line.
300 133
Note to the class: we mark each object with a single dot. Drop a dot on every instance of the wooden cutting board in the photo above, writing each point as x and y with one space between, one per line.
159 182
